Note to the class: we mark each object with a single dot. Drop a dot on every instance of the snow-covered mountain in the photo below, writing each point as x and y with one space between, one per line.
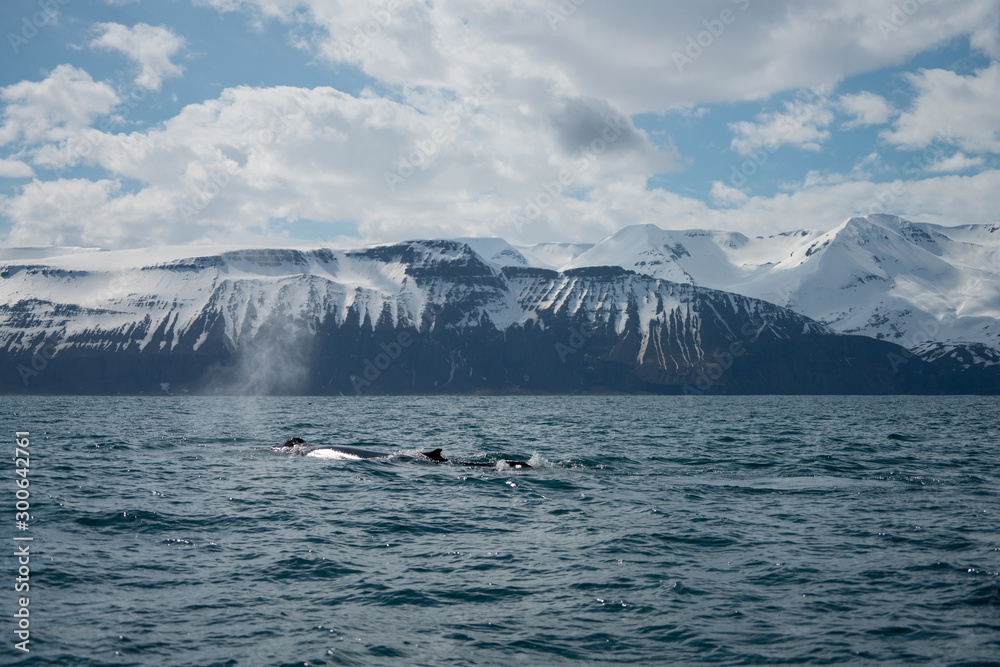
422 316
924 286
541 255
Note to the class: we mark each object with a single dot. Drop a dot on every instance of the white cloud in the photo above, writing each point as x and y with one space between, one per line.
151 47
803 124
54 109
725 195
866 108
948 200
80 212
953 109
241 164
622 55
987 38
259 155
15 169
956 163
872 160
471 160
255 156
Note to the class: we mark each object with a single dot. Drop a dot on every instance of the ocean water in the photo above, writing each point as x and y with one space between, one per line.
652 530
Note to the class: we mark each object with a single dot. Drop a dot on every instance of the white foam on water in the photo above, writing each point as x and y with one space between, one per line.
332 454
539 461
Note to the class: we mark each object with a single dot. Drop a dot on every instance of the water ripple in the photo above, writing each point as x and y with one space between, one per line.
737 531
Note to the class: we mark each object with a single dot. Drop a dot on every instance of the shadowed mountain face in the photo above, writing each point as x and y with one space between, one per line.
418 317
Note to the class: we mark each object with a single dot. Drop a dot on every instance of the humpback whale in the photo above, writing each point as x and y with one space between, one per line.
434 456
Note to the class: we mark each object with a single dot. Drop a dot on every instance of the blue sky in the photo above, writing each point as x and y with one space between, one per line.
129 123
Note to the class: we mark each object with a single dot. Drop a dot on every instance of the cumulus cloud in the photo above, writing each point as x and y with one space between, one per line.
956 163
802 124
866 108
150 47
580 121
255 157
63 212
986 38
15 169
952 108
484 120
54 109
725 195
622 54
942 199
244 163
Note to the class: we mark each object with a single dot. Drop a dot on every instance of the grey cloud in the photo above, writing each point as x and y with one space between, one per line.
580 121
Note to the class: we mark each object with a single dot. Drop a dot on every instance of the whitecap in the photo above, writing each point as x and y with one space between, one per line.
332 454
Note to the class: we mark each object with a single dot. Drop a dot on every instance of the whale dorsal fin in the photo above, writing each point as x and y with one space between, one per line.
435 455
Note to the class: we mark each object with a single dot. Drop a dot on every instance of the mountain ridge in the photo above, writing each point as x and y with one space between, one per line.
881 276
414 317
288 320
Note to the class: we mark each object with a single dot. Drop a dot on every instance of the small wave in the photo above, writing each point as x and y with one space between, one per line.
298 568
367 444
295 450
539 461
536 461
408 454
985 596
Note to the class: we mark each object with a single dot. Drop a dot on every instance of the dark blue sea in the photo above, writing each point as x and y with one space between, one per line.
650 530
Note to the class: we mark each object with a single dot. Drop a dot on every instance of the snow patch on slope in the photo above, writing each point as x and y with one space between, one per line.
879 276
